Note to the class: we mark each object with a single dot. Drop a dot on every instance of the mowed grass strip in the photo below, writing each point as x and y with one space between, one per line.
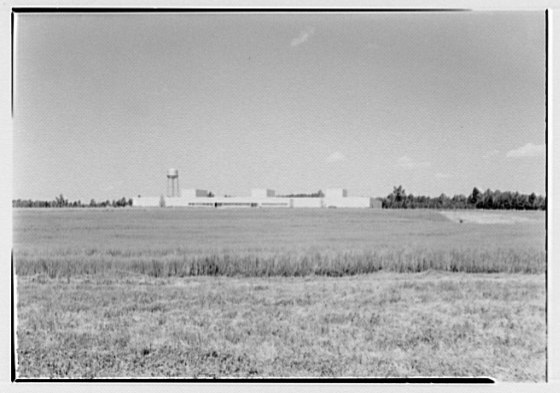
377 325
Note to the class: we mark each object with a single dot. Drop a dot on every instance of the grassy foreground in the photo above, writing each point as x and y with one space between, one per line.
251 293
376 325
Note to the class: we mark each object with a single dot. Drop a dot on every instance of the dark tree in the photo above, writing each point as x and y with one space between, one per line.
487 200
60 201
475 196
532 201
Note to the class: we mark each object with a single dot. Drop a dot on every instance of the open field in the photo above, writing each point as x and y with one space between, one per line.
377 325
489 216
140 293
270 242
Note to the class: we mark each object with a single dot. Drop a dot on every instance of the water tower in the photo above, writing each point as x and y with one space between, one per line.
172 183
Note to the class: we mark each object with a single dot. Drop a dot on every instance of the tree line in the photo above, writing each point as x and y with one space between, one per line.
488 199
318 194
60 201
398 199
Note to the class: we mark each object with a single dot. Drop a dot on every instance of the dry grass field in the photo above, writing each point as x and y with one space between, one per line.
265 293
270 242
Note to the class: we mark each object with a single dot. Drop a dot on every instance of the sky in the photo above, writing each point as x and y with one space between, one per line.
439 103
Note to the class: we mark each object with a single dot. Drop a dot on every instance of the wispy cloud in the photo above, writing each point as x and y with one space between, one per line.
336 157
529 150
408 163
440 175
302 37
491 153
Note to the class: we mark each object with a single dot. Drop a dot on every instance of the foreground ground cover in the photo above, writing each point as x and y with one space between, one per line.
268 242
250 293
376 325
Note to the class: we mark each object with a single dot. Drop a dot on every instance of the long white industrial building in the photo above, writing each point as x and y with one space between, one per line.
333 198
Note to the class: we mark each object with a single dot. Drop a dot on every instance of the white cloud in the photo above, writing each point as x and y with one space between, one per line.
440 175
408 163
529 150
302 37
336 157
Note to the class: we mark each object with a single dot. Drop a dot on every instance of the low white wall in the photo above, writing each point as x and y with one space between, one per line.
273 202
145 202
307 202
358 202
183 201
193 193
336 193
262 193
348 202
175 201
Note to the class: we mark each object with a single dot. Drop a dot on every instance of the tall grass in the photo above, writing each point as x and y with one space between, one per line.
179 262
175 242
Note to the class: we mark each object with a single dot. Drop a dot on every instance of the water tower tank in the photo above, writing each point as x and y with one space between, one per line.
172 172
173 183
